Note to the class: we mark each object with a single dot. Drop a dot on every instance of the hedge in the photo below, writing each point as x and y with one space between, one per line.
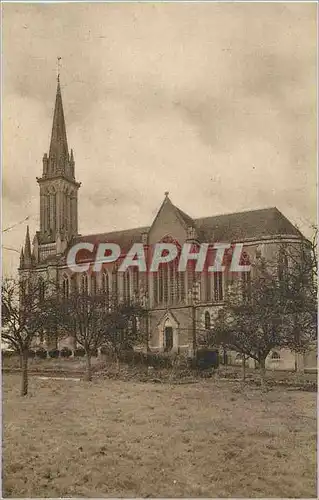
79 352
65 352
205 359
41 353
54 353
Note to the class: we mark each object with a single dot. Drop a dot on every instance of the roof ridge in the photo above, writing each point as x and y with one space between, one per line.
237 213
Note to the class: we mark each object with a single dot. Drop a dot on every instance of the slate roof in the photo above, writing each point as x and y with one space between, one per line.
242 226
239 226
124 238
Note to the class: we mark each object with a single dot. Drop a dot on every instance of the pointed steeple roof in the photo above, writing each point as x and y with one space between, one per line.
27 249
59 152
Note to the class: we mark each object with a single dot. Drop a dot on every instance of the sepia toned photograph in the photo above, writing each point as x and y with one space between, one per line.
159 250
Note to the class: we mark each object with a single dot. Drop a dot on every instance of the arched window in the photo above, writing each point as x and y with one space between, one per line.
165 283
191 276
246 278
135 282
115 285
161 278
127 286
174 285
93 284
48 211
84 284
155 287
207 321
52 209
275 355
74 284
105 286
207 285
218 286
180 276
65 287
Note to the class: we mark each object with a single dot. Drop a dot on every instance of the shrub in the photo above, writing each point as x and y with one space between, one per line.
105 350
79 352
54 353
8 354
131 357
205 359
94 353
31 354
159 360
65 352
41 353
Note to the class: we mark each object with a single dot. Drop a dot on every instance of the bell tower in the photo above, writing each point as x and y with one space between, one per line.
58 187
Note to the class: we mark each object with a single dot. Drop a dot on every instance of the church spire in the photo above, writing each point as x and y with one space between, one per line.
58 153
58 187
27 250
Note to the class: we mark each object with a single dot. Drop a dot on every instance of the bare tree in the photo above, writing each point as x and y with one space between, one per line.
26 313
122 328
83 316
275 307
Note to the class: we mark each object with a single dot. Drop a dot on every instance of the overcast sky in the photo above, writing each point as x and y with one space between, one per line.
215 103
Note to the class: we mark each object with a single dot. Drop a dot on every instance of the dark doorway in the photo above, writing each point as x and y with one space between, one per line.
168 338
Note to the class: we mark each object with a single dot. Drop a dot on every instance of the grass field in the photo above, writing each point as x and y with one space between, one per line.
111 438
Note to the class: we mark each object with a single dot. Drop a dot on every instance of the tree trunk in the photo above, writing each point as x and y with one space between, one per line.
24 373
262 371
244 367
88 374
117 361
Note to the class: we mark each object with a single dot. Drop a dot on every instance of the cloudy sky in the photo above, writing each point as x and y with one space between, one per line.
215 103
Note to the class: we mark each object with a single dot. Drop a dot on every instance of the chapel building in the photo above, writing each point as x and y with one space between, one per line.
181 306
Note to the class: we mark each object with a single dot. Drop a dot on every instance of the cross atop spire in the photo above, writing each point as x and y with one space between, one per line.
58 68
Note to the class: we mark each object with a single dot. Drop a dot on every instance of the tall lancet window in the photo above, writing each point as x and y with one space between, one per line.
207 320
105 286
66 287
163 287
218 286
52 210
155 287
181 286
135 282
65 210
191 274
173 285
84 284
48 211
93 284
126 285
207 285
246 278
115 285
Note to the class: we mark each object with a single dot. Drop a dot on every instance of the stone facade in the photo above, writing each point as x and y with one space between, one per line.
180 305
